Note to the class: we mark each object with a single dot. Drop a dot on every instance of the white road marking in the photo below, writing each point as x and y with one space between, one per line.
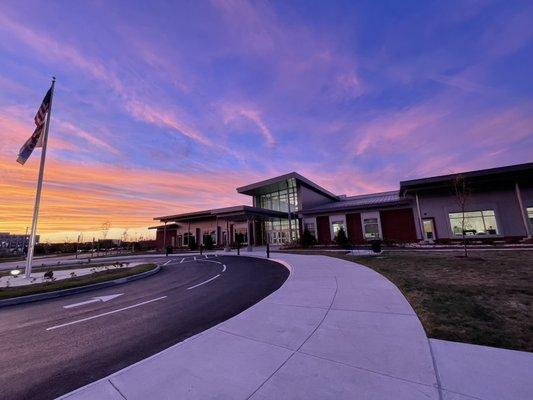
182 260
98 299
168 262
104 314
217 262
194 258
204 282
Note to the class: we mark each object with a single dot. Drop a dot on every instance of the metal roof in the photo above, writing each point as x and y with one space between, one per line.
361 202
255 188
510 171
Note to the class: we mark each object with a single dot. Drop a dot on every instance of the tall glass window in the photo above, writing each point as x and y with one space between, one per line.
475 223
278 200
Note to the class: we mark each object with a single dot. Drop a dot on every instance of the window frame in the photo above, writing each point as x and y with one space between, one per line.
483 218
337 218
367 216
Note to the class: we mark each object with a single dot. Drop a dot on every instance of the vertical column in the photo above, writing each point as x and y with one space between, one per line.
165 236
289 212
248 236
254 232
226 247
523 210
216 231
420 223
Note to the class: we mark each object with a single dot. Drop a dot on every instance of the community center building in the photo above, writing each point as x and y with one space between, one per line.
491 205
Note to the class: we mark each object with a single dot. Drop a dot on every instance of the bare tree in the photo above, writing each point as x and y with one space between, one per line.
462 195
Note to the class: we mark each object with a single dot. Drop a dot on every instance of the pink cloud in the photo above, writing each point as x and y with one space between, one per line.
234 112
141 109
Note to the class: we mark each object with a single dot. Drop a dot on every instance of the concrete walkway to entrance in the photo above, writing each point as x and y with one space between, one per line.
334 330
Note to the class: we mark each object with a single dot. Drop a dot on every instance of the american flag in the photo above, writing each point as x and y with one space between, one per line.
36 138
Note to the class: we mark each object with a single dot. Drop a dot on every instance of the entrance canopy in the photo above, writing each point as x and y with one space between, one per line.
236 213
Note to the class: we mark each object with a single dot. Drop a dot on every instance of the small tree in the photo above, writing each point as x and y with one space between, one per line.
208 242
308 239
462 194
341 239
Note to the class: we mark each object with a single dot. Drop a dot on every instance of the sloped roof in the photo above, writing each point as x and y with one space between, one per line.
255 188
361 202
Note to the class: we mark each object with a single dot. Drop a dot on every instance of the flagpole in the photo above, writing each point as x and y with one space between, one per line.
31 245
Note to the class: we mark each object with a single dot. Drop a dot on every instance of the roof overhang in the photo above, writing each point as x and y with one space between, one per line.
234 213
479 178
280 182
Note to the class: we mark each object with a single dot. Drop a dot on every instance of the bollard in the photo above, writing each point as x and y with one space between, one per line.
268 250
201 248
238 248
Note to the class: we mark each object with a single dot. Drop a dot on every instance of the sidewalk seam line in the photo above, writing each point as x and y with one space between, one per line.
435 368
117 389
305 341
368 370
255 340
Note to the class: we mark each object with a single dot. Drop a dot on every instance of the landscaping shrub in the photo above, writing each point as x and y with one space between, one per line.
341 239
308 239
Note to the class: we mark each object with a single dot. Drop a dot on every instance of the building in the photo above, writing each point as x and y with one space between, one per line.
498 206
9 242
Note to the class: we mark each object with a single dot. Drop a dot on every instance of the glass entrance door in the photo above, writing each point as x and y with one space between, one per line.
429 229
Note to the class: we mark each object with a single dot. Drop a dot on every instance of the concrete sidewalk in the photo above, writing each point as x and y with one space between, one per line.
334 330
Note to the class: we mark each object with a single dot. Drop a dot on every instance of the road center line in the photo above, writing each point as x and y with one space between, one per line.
204 282
104 314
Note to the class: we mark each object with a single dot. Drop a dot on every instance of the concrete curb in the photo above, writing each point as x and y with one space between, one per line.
82 289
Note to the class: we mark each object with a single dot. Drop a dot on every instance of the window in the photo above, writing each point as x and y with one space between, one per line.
371 228
475 223
530 215
336 226
277 199
310 226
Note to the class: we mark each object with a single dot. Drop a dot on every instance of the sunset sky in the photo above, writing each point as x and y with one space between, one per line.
164 108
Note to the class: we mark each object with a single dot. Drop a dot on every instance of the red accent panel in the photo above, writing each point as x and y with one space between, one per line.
355 231
398 225
322 226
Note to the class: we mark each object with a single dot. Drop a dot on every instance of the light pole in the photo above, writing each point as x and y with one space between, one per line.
26 241
77 246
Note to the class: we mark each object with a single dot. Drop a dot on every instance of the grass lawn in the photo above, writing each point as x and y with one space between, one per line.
484 299
96 277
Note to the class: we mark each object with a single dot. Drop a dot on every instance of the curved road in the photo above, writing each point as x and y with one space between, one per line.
51 347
